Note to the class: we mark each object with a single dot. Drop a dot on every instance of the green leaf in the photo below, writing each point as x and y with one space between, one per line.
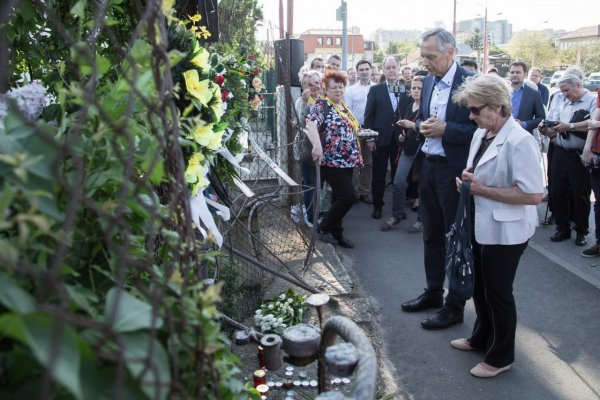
6 197
127 313
148 362
54 346
78 9
82 298
13 297
8 252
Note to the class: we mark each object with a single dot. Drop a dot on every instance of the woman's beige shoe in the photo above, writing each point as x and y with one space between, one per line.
462 344
483 370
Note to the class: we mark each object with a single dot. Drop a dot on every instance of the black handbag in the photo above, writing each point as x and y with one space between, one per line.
459 249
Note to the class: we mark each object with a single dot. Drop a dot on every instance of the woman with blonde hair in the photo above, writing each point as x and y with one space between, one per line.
504 171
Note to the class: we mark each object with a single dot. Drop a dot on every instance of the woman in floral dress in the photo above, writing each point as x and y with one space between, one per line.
332 130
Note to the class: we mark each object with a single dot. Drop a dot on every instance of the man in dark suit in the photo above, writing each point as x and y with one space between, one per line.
381 114
447 132
535 76
528 109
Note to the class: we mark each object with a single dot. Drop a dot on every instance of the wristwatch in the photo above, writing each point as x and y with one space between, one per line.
571 126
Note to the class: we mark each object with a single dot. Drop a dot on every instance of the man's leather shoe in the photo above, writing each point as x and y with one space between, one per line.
376 212
442 319
559 236
581 239
327 238
343 242
423 302
366 198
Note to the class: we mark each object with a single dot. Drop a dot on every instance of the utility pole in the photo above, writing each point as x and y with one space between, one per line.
486 50
454 21
290 18
342 15
281 34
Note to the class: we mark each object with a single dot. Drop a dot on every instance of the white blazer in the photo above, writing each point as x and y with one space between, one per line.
512 159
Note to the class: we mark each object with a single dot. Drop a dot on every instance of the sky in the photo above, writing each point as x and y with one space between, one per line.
370 15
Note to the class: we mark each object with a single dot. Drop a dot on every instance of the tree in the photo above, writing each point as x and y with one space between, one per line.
475 41
590 58
401 48
533 48
238 20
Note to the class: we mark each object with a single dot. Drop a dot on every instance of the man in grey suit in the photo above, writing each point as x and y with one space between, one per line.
447 132
527 105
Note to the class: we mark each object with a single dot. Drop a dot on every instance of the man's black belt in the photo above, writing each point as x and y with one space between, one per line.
435 158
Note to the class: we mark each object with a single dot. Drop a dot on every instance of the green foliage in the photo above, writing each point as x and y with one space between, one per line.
401 48
533 48
590 58
475 41
238 20
99 286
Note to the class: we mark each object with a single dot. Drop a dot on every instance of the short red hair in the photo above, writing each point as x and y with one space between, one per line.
337 76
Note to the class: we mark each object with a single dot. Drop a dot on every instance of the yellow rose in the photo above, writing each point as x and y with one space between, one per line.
205 136
201 58
216 104
195 18
200 90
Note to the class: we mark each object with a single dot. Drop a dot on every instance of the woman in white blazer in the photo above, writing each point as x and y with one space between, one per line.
506 183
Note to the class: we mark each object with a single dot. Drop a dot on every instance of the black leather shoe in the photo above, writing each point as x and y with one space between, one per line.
327 238
559 236
581 239
442 319
376 212
423 302
343 242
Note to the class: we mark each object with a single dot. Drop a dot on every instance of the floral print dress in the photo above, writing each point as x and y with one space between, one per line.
340 148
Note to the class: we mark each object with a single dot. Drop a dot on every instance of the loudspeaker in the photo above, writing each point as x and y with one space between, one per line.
288 64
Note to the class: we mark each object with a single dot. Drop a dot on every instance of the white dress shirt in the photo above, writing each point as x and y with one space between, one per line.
356 99
437 106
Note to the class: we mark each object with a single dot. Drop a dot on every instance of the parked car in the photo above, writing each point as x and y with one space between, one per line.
546 80
592 82
555 78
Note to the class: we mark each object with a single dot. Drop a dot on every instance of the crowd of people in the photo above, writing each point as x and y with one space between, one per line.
436 129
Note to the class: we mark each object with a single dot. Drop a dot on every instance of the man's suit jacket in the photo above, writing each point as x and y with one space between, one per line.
512 159
531 111
380 116
459 128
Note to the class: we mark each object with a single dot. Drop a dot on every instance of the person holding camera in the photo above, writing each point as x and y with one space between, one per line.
381 114
567 127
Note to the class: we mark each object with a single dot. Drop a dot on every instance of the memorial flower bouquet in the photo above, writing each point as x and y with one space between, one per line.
280 312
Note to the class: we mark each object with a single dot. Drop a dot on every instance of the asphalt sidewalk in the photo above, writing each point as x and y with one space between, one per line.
558 297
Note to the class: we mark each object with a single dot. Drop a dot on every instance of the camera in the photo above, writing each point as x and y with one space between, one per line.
550 124
397 89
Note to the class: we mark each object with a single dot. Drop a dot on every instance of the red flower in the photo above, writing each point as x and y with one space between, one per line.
224 95
256 71
250 56
219 79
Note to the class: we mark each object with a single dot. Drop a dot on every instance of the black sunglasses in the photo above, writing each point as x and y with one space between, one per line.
477 110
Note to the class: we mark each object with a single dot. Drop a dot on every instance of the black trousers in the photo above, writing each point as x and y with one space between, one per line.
381 156
570 182
496 323
439 199
342 198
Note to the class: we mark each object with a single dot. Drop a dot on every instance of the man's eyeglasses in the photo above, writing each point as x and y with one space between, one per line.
477 110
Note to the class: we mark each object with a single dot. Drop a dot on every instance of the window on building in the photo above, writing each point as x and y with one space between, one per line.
320 41
338 41
329 41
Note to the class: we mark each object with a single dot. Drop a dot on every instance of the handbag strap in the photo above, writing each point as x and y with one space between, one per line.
463 211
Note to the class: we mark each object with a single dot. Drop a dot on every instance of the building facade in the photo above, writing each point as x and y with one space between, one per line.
586 36
500 32
324 43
